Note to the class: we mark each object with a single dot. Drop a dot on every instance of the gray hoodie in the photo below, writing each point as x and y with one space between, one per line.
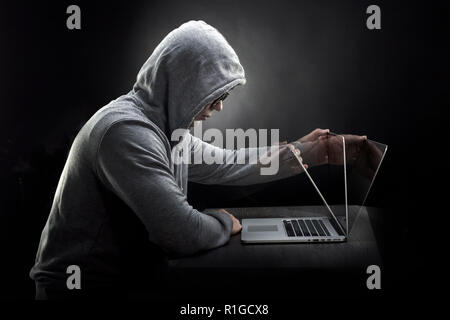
120 181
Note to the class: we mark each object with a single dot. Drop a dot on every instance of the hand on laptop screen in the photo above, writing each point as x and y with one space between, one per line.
328 149
369 158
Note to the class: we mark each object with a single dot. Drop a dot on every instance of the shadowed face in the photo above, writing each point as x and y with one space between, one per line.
208 109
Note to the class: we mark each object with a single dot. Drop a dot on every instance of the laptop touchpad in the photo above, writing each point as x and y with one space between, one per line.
262 228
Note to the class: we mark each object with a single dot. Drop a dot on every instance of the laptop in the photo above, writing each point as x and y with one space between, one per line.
357 174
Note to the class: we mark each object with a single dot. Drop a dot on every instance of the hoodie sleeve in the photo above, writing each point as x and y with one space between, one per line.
239 167
132 162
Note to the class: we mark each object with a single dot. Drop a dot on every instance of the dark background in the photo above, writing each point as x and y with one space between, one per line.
308 63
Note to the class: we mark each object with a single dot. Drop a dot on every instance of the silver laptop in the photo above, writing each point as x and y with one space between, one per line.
334 222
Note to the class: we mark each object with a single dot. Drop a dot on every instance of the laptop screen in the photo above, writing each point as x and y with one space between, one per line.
326 170
344 175
337 179
362 168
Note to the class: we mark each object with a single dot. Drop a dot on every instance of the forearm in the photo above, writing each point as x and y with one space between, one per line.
247 166
132 163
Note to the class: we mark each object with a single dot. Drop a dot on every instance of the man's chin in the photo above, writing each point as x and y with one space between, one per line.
193 123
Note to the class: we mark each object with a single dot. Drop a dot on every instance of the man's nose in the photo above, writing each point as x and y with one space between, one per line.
218 106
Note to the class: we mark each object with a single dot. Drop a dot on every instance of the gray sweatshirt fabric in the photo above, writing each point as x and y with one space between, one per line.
120 172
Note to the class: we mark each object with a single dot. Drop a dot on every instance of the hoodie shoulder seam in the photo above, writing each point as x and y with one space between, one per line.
128 119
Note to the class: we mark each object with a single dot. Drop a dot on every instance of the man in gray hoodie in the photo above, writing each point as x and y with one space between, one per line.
121 198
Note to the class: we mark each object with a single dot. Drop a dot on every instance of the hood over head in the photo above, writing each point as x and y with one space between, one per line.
190 68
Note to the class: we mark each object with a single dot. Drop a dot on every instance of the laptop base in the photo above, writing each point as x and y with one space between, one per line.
292 229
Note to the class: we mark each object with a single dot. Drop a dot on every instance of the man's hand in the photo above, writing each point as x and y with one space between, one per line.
236 224
310 140
318 148
369 159
287 153
353 145
314 135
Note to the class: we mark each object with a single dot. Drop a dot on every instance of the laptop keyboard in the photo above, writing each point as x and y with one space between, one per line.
305 228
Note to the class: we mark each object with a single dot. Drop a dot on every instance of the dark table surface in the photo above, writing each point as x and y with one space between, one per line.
360 249
261 271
